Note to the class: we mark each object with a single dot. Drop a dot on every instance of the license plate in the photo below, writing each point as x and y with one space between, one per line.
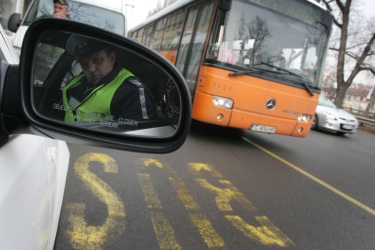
349 127
263 129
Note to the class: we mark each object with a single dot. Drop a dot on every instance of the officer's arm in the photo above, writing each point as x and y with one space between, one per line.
133 101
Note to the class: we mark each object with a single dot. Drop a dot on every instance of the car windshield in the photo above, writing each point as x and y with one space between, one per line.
324 101
80 12
287 34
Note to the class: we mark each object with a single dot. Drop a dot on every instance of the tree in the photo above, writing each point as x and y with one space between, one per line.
353 45
255 29
329 86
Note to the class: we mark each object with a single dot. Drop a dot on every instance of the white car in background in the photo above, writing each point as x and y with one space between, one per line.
33 172
330 118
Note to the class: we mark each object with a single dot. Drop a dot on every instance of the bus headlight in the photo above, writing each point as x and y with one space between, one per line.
304 118
222 102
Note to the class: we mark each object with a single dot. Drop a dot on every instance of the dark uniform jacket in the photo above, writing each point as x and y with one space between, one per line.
119 95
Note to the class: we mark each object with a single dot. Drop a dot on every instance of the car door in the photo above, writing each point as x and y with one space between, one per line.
33 172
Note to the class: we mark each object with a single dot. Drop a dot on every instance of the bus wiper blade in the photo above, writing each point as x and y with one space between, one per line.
291 73
243 72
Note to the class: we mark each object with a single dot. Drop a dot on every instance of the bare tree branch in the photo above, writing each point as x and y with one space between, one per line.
354 46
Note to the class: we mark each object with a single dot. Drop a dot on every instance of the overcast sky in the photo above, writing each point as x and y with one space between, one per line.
141 8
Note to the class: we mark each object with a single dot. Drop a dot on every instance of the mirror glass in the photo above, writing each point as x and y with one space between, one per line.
96 85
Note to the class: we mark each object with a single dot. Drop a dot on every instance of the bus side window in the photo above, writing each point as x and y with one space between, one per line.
187 38
195 59
133 34
139 35
147 35
157 37
171 38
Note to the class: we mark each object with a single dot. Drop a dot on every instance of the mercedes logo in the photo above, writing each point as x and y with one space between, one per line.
271 104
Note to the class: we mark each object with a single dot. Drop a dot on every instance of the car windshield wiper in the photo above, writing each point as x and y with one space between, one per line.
291 73
244 72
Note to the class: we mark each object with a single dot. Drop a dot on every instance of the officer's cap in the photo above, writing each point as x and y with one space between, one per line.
81 47
64 2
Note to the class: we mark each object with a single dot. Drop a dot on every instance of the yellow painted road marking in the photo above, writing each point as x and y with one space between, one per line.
164 231
149 192
162 227
149 162
267 234
82 235
310 176
182 192
197 168
227 194
206 230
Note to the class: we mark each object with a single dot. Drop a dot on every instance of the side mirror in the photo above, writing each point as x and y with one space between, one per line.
80 84
14 22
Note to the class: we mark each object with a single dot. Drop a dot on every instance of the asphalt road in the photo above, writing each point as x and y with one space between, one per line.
224 189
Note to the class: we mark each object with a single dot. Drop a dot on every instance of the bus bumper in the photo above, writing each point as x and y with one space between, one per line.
205 111
246 120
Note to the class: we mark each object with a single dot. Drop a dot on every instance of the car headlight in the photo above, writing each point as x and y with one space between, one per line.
329 115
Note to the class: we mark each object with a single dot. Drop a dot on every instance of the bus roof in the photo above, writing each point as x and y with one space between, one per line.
167 10
318 4
180 3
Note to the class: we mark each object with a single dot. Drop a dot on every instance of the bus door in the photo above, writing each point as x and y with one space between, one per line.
193 41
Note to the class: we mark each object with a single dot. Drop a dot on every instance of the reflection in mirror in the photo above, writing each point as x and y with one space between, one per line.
96 85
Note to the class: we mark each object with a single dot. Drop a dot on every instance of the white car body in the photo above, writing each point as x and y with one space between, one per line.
330 118
33 173
18 37
7 53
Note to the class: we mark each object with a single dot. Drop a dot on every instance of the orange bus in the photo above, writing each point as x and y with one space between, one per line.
249 64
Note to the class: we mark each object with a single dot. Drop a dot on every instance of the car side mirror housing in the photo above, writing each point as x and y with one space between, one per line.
86 85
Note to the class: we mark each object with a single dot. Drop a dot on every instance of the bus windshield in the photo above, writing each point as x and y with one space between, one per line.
267 36
85 13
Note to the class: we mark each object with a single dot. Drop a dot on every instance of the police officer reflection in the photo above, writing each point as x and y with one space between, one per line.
104 91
